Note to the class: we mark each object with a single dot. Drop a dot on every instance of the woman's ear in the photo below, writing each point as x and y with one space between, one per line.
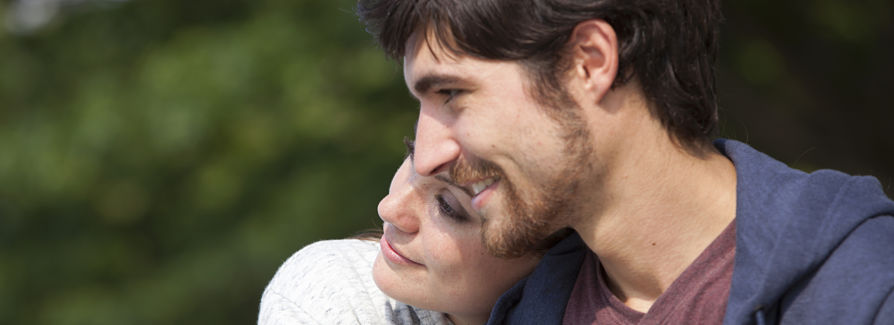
594 51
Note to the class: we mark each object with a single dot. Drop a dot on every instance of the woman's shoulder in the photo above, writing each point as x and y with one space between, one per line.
334 255
331 282
324 273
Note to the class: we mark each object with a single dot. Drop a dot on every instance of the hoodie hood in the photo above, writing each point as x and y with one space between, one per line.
787 223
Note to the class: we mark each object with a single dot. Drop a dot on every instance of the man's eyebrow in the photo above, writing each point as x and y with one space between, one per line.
430 81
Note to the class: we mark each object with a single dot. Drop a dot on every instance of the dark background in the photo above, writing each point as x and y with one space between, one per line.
159 159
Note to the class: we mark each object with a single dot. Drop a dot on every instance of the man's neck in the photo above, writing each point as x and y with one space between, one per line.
656 210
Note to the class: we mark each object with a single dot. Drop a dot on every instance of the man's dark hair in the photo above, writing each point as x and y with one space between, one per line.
668 47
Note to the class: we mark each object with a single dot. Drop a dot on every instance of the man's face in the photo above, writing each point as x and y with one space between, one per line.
479 125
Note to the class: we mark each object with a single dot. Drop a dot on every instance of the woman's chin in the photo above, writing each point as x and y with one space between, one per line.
377 272
404 285
389 281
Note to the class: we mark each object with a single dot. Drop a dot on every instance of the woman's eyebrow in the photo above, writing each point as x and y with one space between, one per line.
411 147
449 181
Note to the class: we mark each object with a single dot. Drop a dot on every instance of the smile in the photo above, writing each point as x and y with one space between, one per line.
481 192
393 256
479 186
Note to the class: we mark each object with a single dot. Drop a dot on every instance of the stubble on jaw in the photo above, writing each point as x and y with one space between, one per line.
525 222
533 215
540 218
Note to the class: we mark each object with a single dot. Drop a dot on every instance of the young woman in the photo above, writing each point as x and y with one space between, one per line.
429 267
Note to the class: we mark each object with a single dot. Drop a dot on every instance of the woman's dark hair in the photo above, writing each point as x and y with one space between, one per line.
668 47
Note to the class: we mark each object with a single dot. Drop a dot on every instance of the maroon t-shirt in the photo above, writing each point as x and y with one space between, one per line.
697 296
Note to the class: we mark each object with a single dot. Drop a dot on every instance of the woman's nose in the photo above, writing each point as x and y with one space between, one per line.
398 209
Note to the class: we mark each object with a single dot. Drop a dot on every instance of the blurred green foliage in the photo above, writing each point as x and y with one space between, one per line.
159 159
811 82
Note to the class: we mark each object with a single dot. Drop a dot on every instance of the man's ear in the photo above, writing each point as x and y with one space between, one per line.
594 51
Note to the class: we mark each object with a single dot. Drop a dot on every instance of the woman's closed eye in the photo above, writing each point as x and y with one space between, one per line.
449 207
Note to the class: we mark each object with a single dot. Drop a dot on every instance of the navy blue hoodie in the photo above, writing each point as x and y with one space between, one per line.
812 248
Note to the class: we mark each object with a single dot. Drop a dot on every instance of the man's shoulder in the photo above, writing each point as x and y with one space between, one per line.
868 249
808 244
821 205
853 284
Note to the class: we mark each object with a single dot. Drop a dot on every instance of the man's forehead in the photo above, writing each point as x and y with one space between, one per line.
426 62
431 54
426 41
438 64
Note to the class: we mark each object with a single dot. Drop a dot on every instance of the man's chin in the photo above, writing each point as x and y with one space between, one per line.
512 243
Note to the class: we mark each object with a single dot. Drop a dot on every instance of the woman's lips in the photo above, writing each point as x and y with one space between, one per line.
393 255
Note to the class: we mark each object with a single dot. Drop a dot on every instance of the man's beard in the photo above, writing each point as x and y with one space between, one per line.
534 215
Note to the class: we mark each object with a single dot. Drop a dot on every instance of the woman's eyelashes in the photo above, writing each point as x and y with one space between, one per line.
452 210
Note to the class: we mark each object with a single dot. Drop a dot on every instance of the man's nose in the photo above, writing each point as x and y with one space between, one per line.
398 209
435 147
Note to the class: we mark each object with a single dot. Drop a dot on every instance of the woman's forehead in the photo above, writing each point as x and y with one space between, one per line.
406 174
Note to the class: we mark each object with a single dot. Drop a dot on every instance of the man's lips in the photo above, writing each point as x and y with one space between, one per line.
481 185
469 187
482 194
393 255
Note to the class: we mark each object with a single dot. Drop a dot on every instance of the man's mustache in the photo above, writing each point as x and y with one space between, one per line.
466 170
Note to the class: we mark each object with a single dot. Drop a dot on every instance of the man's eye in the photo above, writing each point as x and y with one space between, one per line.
449 211
450 93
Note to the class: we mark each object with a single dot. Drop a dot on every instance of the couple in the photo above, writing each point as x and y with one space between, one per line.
595 116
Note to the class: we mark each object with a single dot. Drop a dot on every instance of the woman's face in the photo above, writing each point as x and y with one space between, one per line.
432 256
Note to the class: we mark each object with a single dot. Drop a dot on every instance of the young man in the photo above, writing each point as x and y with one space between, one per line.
598 116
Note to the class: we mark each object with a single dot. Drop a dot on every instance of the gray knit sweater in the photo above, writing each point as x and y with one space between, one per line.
330 282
